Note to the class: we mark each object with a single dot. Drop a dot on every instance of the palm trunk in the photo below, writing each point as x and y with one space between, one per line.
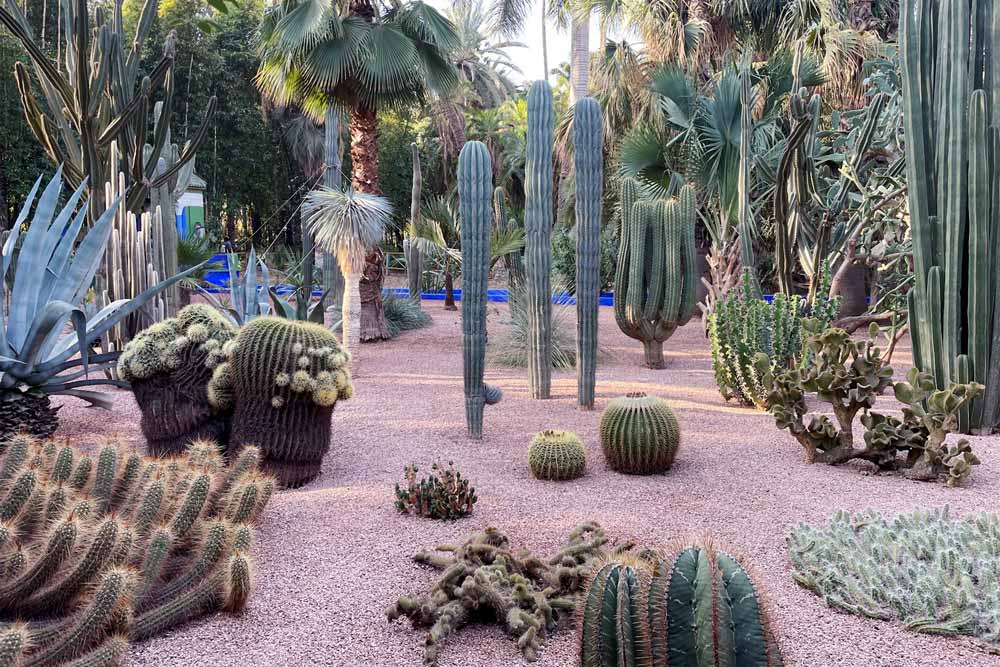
579 67
333 277
351 313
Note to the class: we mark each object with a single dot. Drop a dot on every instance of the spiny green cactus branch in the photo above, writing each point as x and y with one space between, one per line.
588 138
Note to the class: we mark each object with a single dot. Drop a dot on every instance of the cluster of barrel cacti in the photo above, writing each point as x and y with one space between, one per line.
557 455
486 578
97 550
169 366
694 605
475 191
639 434
444 494
656 275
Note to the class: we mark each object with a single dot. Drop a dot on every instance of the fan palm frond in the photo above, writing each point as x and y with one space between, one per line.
346 223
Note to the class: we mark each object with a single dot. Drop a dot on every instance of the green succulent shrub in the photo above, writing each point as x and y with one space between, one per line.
100 549
639 434
743 326
557 455
486 580
934 572
564 256
694 605
849 375
444 494
403 315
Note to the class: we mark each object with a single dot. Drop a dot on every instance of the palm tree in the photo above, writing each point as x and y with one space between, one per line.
362 56
484 66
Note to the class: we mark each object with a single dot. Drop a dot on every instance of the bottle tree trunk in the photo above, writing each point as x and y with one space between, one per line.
364 178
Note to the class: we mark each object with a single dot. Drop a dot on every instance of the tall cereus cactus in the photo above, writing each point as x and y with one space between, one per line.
950 100
475 187
588 138
656 274
538 237
411 251
282 379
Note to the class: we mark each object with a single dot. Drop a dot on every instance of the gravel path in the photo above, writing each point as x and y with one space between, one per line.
334 554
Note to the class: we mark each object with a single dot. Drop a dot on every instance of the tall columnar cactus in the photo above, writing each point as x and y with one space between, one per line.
950 97
538 237
411 251
656 274
282 380
588 137
639 434
475 187
695 605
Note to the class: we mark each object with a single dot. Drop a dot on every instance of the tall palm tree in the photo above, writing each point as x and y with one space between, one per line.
362 56
483 65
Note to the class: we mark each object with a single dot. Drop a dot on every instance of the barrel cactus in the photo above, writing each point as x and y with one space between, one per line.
639 434
557 455
282 379
588 137
475 189
169 366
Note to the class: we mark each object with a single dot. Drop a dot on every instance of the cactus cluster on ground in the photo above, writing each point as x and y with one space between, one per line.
935 572
639 434
444 494
849 375
169 366
557 455
97 550
281 380
693 605
485 579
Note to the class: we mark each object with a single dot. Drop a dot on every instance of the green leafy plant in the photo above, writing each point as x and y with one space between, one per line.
444 494
403 315
849 375
564 256
513 347
934 572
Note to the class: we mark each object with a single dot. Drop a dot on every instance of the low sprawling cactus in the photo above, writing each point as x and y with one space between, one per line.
694 605
282 379
444 494
934 572
849 375
486 579
100 549
169 366
639 434
557 455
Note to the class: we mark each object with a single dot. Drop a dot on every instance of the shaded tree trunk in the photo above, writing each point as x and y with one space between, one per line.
579 68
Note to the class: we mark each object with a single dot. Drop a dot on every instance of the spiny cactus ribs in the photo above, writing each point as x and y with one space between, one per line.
29 412
639 434
557 455
693 605
282 379
444 494
169 366
99 550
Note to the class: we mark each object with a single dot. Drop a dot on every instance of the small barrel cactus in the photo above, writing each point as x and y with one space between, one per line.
169 366
282 379
639 434
557 455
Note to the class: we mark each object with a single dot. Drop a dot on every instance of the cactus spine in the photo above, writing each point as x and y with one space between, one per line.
656 272
475 187
952 142
588 136
538 232
414 263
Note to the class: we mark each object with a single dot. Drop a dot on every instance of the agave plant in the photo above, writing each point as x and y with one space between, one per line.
50 274
247 295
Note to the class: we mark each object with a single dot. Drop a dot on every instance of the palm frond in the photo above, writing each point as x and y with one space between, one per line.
346 223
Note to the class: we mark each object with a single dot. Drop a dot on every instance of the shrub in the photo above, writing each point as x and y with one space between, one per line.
512 348
557 455
403 314
936 573
444 494
639 434
485 579
564 256
849 375
99 550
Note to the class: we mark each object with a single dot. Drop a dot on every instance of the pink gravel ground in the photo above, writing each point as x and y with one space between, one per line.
332 556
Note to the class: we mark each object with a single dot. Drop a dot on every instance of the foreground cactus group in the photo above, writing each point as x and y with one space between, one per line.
99 550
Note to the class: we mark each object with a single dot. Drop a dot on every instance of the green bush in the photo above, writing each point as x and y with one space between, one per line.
564 256
403 315
511 349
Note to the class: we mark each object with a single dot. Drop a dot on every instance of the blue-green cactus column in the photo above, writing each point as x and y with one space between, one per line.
475 188
588 138
538 233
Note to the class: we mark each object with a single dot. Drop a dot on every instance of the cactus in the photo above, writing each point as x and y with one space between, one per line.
411 251
952 147
444 494
99 570
695 605
588 137
485 578
656 272
538 232
475 175
169 366
556 455
282 379
639 435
